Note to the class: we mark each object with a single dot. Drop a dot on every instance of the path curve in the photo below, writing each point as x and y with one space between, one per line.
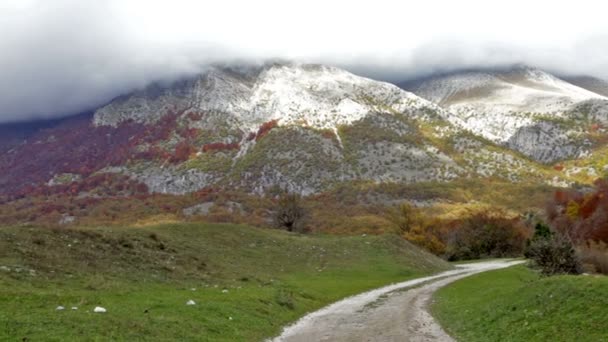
392 313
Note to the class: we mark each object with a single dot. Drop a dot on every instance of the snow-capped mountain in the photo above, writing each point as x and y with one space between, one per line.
306 128
523 108
320 96
323 112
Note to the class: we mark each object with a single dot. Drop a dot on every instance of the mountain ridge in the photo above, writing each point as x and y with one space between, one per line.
522 108
304 128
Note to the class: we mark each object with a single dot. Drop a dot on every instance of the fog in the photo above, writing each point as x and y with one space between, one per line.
59 57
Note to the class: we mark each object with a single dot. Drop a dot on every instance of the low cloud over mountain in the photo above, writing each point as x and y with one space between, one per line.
65 56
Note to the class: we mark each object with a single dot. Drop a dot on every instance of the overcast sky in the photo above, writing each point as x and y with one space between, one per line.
59 57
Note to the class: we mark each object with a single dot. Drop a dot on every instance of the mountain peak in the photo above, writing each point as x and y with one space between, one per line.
519 106
323 96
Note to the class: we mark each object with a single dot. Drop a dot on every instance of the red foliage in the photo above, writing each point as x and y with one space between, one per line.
560 197
188 133
183 150
558 167
589 205
582 216
265 128
220 147
75 146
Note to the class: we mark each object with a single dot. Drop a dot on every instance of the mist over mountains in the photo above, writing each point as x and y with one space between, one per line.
65 56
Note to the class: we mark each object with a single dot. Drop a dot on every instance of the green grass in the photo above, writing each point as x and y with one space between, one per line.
516 304
247 282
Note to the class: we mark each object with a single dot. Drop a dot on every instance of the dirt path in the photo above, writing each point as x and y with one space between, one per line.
393 313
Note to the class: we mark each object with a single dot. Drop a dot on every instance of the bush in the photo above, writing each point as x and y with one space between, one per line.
486 233
404 217
416 228
481 233
594 257
553 254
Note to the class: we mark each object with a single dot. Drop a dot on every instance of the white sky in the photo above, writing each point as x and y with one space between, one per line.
61 56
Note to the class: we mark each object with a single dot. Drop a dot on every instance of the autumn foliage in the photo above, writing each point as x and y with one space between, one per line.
266 128
580 215
480 233
582 218
183 150
219 147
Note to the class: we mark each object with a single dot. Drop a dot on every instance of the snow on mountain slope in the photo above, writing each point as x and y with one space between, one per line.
517 89
593 84
328 125
319 96
305 128
517 107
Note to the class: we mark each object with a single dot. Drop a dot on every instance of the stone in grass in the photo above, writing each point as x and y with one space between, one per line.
59 308
190 302
99 309
74 308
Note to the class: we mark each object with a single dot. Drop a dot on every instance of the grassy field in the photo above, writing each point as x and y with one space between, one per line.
247 282
515 304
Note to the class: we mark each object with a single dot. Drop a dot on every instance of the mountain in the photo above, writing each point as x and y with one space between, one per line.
596 85
521 108
303 127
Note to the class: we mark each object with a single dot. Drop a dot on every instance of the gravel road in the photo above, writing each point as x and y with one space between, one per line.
396 312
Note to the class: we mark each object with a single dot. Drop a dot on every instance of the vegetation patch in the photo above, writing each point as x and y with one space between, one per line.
517 304
246 283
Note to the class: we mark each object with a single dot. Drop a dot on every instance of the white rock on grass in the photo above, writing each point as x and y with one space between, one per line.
190 302
99 309
59 308
74 308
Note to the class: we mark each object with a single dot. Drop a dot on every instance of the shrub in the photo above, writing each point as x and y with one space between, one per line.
594 257
183 150
290 214
416 228
404 217
553 254
265 128
426 236
485 233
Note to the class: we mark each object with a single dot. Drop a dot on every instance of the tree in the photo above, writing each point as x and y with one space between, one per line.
290 214
405 217
554 254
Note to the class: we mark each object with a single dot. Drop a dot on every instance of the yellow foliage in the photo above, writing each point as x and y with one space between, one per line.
423 236
572 210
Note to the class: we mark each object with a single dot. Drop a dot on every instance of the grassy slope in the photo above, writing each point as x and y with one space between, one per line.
515 304
144 276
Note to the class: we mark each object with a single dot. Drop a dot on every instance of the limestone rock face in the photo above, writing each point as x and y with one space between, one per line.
522 108
308 128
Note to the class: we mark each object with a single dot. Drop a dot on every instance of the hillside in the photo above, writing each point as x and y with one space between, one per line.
305 128
246 282
522 108
593 84
516 304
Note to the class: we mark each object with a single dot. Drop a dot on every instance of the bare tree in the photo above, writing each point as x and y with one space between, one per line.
290 214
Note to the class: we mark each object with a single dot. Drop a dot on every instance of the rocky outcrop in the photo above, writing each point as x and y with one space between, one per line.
522 108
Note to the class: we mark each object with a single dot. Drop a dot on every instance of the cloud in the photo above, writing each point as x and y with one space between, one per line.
60 57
